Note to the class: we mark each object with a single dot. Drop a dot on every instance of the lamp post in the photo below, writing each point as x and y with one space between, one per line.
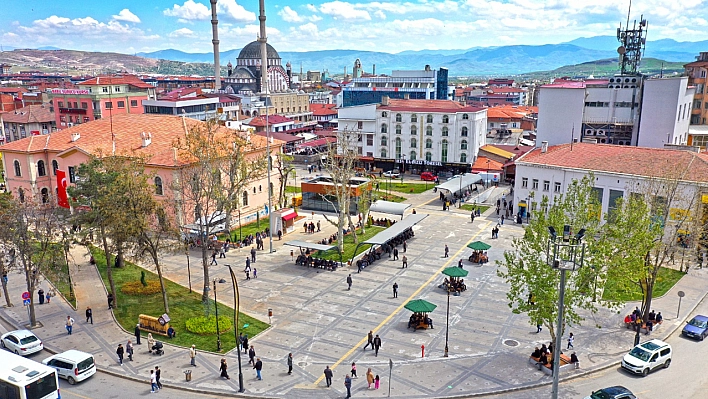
237 302
216 309
564 253
447 320
488 160
459 205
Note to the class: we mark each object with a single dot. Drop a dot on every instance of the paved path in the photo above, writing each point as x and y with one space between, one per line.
322 323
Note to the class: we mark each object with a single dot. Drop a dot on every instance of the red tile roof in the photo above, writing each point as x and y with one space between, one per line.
505 90
509 111
480 165
648 162
260 121
576 84
323 109
30 114
428 106
116 80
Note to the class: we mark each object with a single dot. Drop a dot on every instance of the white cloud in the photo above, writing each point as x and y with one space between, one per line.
189 11
314 18
380 14
183 32
127 16
344 11
311 8
234 11
290 15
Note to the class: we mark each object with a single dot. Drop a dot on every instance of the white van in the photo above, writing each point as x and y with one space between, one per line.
647 356
72 365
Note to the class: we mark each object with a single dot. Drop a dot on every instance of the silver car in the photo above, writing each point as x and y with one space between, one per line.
21 342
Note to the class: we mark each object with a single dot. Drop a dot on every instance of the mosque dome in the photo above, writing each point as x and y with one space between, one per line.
253 51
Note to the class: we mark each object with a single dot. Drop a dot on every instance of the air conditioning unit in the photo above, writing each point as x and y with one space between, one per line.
612 80
589 132
621 142
599 132
70 124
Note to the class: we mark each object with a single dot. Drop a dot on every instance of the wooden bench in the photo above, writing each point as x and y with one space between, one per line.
643 329
564 361
153 325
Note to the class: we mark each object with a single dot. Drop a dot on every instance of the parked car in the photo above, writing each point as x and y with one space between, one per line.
697 327
615 392
394 174
21 342
74 366
427 176
647 356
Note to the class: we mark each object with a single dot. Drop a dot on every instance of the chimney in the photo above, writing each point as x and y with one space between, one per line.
146 138
75 136
544 147
384 100
373 72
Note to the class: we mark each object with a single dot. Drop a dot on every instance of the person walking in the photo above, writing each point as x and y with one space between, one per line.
395 290
49 296
377 344
193 356
353 371
223 367
69 324
370 341
369 377
405 262
447 251
110 300
328 376
40 293
253 255
258 366
120 351
318 226
405 246
151 342
255 273
157 377
472 217
251 355
348 385
137 334
571 339
290 363
222 252
377 381
213 258
129 350
153 382
89 314
349 282
395 254
245 343
247 269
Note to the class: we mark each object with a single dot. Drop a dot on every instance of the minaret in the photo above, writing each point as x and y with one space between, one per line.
263 39
215 42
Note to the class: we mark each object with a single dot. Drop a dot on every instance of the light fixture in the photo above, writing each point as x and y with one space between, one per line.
553 232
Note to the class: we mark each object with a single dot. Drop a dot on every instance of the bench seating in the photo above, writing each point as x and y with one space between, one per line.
644 330
564 361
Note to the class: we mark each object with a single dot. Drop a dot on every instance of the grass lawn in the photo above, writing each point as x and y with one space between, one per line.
246 229
183 306
349 245
292 189
666 279
470 207
409 188
382 195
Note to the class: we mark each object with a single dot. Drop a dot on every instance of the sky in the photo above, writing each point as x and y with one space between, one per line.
131 26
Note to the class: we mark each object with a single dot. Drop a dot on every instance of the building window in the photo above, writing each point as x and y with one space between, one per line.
55 167
465 117
429 118
412 156
359 125
443 153
398 148
546 185
72 174
414 118
61 104
384 128
463 145
429 143
41 169
158 185
116 89
45 195
398 129
384 114
370 139
121 104
463 157
358 138
254 190
524 182
446 119
445 131
429 131
133 103
534 184
398 118
384 141
244 198
428 156
464 131
414 143
557 187
18 171
109 105
414 130
383 153
104 89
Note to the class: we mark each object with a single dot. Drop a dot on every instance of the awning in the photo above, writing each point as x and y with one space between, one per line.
290 216
455 185
318 142
395 229
420 306
393 208
311 245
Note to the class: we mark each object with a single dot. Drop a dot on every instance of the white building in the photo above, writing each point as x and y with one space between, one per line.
623 110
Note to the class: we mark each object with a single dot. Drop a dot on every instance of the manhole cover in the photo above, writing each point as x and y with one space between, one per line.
511 342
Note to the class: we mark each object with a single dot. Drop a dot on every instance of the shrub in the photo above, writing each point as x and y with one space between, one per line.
142 278
207 325
137 288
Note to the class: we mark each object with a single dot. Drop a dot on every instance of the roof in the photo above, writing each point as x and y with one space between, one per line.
323 109
318 142
311 245
116 80
497 151
510 112
640 161
497 89
30 114
253 51
455 185
481 165
576 84
393 208
285 137
395 229
515 149
427 106
696 63
95 137
272 120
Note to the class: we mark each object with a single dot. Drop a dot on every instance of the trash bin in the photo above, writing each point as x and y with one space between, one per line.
188 375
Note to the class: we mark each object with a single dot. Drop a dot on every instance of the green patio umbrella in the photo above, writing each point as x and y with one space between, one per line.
455 271
420 306
479 246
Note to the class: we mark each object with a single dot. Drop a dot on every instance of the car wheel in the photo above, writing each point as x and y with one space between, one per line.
17 352
701 337
645 372
2 343
71 380
667 364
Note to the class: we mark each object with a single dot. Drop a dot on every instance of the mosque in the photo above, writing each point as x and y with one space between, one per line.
246 77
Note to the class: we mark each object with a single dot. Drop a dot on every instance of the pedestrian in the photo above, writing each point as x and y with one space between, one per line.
502 219
69 324
223 369
538 328
349 282
328 376
472 217
405 262
305 227
348 385
377 381
255 273
369 377
251 355
110 300
318 226
153 382
245 343
89 314
157 377
369 341
377 345
405 246
193 356
222 252
49 294
253 255
570 341
447 251
459 263
290 363
120 352
40 293
353 371
395 253
258 366
213 258
280 235
395 290
151 342
129 350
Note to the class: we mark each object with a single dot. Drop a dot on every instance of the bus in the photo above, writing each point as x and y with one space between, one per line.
22 378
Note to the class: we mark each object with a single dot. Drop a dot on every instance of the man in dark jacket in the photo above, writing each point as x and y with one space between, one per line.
137 334
370 340
328 375
258 366
377 344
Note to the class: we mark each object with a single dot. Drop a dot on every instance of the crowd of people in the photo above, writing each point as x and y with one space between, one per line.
389 248
454 285
310 261
417 319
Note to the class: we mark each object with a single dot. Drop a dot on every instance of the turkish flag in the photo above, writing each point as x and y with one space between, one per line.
62 198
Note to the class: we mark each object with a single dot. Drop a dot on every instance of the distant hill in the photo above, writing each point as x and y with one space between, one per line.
606 68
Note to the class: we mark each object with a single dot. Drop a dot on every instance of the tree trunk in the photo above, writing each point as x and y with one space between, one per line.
29 279
156 260
109 268
205 266
3 272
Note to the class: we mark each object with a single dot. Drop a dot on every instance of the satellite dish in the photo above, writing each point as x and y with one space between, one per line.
621 50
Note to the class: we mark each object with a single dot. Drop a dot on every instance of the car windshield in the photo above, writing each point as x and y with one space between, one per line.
28 340
698 323
86 364
600 395
640 354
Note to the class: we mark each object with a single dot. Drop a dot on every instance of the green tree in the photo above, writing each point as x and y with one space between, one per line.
286 169
525 268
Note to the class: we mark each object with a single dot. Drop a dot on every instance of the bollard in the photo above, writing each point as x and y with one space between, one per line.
188 375
422 349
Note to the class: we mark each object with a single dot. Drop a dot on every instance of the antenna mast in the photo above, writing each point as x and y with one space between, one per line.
632 43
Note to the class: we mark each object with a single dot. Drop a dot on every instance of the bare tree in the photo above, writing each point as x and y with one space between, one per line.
286 169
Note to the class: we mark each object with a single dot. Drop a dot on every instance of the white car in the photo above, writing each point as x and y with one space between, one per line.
394 174
647 356
74 366
21 342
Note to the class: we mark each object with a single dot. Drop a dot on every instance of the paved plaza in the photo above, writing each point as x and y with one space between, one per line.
322 323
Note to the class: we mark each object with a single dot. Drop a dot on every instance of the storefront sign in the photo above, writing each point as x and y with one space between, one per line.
70 91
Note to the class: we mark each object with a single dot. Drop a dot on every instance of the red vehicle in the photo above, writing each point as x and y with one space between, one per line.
427 176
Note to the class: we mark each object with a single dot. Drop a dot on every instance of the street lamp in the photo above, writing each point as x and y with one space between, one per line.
565 253
488 160
447 320
237 303
216 310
